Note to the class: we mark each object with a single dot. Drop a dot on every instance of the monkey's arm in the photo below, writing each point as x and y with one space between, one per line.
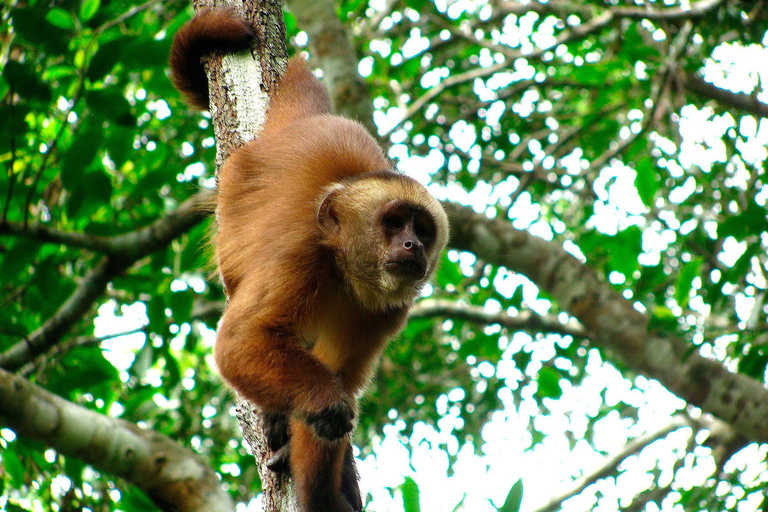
208 31
271 367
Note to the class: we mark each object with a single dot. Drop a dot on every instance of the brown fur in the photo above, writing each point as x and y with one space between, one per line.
317 280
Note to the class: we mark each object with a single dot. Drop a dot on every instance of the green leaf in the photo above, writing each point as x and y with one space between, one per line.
93 192
754 362
111 104
105 58
618 252
99 187
74 467
139 403
146 53
410 491
88 8
624 250
751 221
549 383
13 507
158 322
54 73
685 279
647 180
31 26
119 145
417 5
4 87
75 202
448 272
13 467
172 369
181 305
514 498
133 500
16 259
144 360
25 81
81 153
82 369
663 319
60 18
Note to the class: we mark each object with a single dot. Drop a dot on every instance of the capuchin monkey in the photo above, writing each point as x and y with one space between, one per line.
322 249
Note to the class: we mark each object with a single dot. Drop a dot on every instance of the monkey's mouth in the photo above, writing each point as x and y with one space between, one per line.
412 268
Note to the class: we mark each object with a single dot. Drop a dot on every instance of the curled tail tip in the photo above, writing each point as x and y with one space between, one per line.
208 31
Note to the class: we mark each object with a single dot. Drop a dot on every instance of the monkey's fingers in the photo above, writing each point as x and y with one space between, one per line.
280 462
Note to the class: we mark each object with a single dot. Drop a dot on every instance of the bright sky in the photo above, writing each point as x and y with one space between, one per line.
507 455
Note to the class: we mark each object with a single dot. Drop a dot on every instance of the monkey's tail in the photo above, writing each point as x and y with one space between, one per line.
209 31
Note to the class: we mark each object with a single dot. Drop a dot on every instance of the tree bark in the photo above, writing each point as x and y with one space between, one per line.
172 476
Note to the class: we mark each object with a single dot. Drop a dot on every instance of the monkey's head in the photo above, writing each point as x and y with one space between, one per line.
386 232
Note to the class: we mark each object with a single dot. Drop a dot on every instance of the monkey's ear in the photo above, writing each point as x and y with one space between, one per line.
326 214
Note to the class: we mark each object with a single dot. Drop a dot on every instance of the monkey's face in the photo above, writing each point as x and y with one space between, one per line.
386 235
408 234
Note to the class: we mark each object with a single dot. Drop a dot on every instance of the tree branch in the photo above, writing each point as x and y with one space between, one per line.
746 102
238 86
524 321
564 8
127 246
611 463
122 252
174 477
617 326
48 334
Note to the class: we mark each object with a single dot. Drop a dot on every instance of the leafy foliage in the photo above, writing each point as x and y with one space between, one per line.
594 138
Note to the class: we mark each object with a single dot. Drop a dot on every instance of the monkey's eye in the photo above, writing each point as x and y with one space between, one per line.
424 231
394 223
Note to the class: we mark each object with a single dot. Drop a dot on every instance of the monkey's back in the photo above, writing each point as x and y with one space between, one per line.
269 194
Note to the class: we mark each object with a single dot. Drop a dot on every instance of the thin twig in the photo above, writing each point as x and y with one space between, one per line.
611 463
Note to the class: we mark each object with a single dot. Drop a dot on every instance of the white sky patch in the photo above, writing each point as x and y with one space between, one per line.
120 350
433 77
463 135
421 168
385 121
702 143
365 67
415 44
494 112
160 108
738 68
732 251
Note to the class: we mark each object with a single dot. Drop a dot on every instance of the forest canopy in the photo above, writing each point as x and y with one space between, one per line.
595 337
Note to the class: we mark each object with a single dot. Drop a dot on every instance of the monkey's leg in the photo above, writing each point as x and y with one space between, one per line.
316 468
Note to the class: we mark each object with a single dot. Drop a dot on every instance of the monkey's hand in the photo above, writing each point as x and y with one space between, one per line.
334 421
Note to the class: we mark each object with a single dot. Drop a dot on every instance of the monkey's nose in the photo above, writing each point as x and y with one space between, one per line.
412 245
